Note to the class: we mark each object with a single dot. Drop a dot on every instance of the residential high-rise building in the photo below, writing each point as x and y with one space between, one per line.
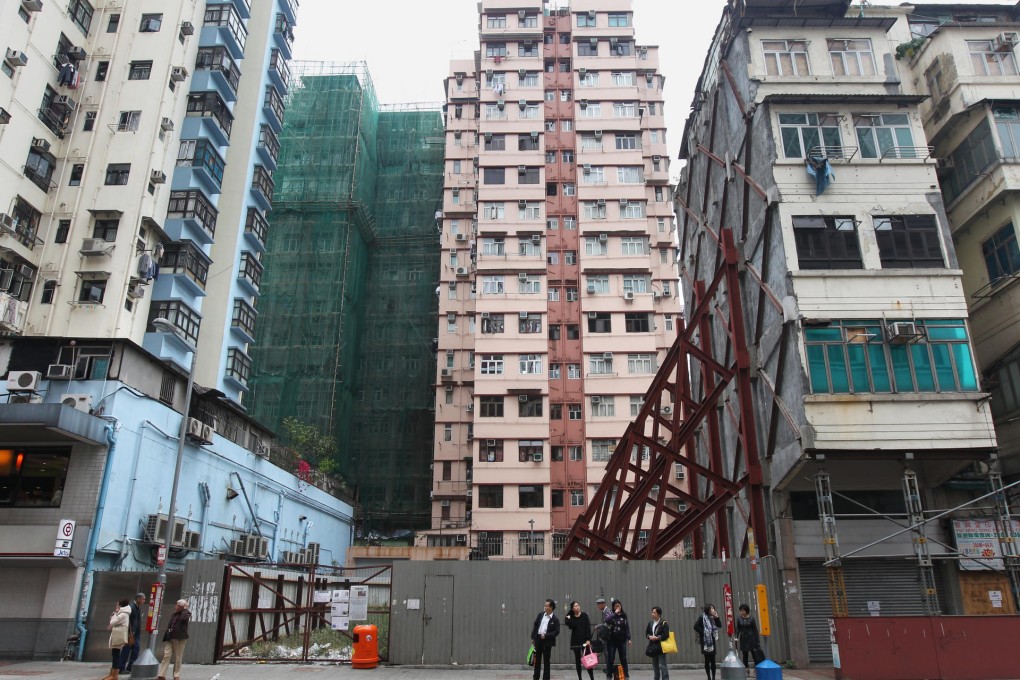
808 169
558 290
345 329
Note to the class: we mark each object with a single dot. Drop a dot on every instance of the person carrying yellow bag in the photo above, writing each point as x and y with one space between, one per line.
658 634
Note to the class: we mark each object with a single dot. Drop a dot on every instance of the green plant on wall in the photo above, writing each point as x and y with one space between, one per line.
907 50
313 447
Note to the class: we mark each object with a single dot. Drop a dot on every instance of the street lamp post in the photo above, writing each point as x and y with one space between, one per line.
145 667
531 539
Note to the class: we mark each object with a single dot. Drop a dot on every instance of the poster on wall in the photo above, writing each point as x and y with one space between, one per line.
359 603
977 538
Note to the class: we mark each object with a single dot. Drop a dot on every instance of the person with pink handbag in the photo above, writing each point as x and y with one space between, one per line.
580 640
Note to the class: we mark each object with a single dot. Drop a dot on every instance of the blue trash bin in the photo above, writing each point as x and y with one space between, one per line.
768 670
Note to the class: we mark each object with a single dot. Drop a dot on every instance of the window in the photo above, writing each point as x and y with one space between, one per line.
602 450
494 112
493 49
117 173
495 21
556 413
804 132
573 333
530 79
827 243
568 157
635 283
603 406
92 290
555 371
33 477
530 285
63 230
494 211
531 407
527 48
490 407
622 48
600 322
593 175
490 495
852 57
593 210
494 176
629 174
528 142
574 410
624 109
494 246
971 158
586 20
102 69
619 19
1007 124
637 322
623 78
107 230
129 121
853 356
785 57
39 168
151 23
530 543
634 245
576 499
528 450
570 257
140 70
81 13
595 245
113 24
626 140
447 437
492 323
641 363
557 496
590 78
531 497
588 49
1002 257
884 135
591 143
1005 385
909 242
636 402
986 61
634 210
598 364
569 222
492 364
532 323
90 121
531 175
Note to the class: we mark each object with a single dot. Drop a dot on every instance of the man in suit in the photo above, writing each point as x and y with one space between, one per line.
129 654
543 634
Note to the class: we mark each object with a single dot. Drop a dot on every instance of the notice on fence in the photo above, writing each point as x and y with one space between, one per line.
339 610
359 603
322 596
979 539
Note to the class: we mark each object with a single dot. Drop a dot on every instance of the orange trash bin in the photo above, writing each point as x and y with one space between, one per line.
366 647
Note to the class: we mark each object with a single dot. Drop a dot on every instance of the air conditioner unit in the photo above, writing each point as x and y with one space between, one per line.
260 448
902 332
536 238
603 238
587 168
594 42
79 402
461 238
444 504
136 291
591 288
596 399
157 177
667 410
667 293
14 58
32 5
253 544
536 458
522 315
462 271
262 548
656 158
23 381
180 528
601 203
628 295
64 103
608 356
500 104
24 271
178 74
490 442
6 221
237 547
522 276
522 104
591 14
94 246
155 529
1005 42
40 145
624 202
534 134
194 540
187 28
582 72
194 431
60 372
167 124
25 398
446 373
76 54
598 134
485 315
469 408
522 398
656 295
207 433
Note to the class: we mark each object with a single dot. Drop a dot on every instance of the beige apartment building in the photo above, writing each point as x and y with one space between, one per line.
558 294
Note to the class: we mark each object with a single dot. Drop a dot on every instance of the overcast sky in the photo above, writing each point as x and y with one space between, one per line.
408 44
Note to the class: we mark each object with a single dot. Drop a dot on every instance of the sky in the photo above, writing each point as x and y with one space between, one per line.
408 44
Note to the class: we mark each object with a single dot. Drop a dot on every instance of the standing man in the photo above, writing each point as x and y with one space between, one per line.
543 634
174 639
130 652
604 611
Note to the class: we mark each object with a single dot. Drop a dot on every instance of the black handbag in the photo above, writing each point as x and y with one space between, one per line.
654 648
758 655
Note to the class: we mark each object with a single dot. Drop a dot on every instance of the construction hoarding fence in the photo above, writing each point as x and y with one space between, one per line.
292 613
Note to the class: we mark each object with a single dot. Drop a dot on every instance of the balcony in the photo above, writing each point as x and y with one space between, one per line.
250 273
273 108
269 147
185 262
216 69
192 216
243 8
242 322
223 27
23 232
289 8
56 121
279 71
262 187
238 368
205 162
283 33
12 313
255 229
208 116
40 175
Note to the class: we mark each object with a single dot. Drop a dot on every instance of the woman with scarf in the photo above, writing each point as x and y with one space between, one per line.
707 627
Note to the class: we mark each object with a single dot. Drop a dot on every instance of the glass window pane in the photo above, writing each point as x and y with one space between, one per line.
810 138
885 139
816 364
944 367
901 368
831 136
964 366
922 368
835 333
791 143
879 369
837 364
858 368
946 332
866 142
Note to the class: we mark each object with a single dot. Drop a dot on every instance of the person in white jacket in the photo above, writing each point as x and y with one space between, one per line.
118 636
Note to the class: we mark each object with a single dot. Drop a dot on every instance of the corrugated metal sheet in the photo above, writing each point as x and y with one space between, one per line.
482 612
892 583
203 585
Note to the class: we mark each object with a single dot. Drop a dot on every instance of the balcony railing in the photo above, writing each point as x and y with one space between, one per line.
202 155
56 121
262 181
219 59
256 225
285 30
183 317
843 153
908 152
40 179
279 66
270 143
22 233
244 317
226 16
211 104
274 102
238 366
193 205
185 258
251 270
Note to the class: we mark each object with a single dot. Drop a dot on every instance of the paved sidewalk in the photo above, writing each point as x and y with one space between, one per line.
55 670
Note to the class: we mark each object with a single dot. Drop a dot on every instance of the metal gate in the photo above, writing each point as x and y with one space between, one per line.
890 586
282 613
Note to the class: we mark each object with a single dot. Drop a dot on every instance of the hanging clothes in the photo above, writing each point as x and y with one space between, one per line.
146 267
68 72
820 169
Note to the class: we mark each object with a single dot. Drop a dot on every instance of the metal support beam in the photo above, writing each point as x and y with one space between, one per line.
830 542
915 515
1006 530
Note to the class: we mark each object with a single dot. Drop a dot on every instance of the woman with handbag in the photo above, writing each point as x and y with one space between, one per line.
656 631
746 630
118 636
619 639
580 636
707 627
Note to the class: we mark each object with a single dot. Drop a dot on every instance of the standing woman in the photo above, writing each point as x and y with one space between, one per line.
580 635
619 639
118 636
747 632
707 627
656 631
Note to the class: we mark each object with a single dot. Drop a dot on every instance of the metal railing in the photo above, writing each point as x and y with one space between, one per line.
843 153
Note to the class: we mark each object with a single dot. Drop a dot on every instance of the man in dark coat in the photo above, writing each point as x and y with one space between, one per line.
129 654
543 635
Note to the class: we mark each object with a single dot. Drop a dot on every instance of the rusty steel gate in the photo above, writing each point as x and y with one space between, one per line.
270 613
